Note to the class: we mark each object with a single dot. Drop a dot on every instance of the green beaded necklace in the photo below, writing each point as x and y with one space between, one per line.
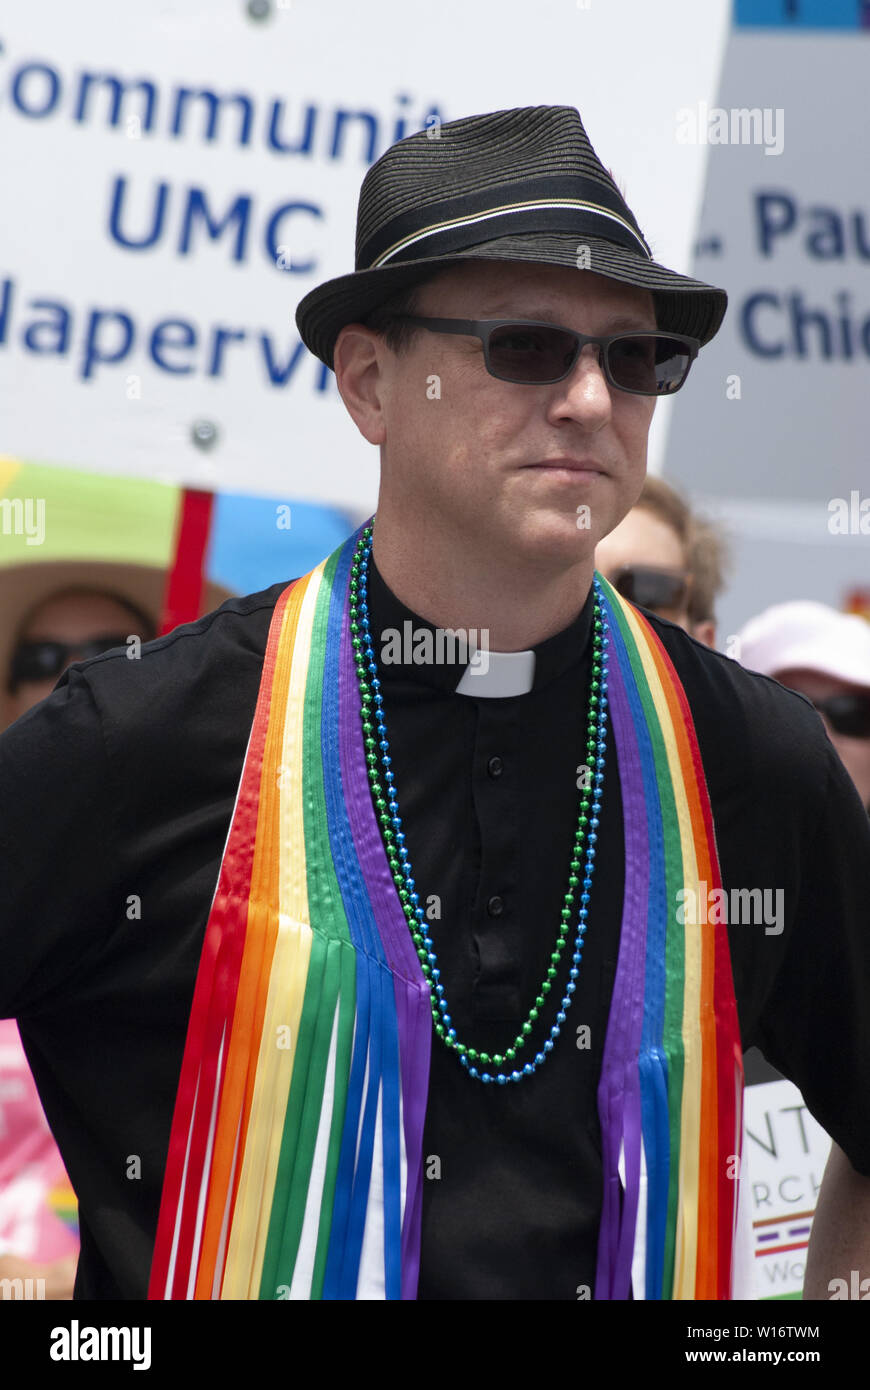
387 810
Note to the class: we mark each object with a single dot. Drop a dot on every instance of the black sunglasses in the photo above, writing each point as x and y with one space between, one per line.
529 353
658 590
42 661
847 714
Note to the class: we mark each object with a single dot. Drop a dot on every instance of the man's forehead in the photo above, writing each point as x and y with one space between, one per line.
499 291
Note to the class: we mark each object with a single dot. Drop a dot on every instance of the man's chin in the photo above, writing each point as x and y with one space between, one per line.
557 536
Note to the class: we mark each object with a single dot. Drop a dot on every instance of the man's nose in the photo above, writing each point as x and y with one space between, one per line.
585 392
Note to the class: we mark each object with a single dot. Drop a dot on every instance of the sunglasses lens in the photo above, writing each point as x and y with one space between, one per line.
520 353
98 645
848 714
652 364
43 661
38 661
649 588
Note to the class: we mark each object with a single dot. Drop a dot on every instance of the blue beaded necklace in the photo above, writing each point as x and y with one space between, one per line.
390 821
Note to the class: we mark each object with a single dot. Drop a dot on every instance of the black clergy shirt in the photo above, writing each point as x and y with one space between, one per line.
117 793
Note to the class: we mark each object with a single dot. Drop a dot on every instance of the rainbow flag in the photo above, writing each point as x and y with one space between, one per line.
61 1201
671 1090
295 1157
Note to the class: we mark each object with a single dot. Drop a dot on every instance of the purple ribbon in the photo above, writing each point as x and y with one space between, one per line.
619 1085
413 1012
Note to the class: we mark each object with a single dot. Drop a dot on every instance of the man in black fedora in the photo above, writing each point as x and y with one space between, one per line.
502 340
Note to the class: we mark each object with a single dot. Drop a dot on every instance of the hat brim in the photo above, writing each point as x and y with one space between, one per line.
683 305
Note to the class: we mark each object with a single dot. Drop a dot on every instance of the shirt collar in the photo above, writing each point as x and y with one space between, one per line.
399 634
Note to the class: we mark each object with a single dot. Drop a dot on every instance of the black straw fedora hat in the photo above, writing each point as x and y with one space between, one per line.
519 185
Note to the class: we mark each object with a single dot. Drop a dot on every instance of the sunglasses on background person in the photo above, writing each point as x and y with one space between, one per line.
42 661
848 715
646 363
662 591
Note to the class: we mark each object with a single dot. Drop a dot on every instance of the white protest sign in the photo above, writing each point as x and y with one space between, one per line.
772 439
785 1156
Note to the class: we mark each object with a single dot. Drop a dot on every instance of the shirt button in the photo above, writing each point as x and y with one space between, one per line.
495 767
495 906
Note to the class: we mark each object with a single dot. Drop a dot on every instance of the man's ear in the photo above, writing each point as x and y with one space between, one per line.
358 364
705 631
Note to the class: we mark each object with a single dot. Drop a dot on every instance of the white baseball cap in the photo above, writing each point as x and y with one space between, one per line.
807 636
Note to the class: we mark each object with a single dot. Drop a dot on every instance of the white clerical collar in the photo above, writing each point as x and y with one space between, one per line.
497 675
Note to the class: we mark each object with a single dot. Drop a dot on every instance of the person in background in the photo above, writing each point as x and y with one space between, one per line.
825 656
71 625
38 1216
663 558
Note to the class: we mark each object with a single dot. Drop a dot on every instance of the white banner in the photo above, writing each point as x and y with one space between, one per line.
177 176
